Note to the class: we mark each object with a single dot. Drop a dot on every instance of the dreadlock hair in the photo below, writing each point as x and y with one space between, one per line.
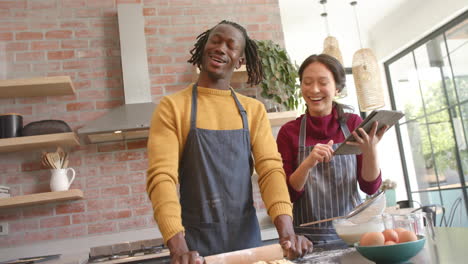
339 75
253 62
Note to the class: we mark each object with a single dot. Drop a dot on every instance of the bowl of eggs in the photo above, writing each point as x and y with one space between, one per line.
350 232
390 246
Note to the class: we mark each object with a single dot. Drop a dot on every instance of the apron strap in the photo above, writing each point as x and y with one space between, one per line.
193 114
344 129
242 111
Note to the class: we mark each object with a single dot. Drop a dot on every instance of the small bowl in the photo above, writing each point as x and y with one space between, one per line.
351 233
392 253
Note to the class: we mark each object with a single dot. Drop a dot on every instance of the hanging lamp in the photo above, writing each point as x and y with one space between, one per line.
330 44
366 75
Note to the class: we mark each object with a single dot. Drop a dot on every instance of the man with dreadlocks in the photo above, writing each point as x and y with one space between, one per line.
203 138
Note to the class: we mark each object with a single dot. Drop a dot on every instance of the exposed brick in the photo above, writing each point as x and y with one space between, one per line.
120 214
6 36
108 104
70 231
43 4
114 168
28 35
136 144
109 147
30 56
100 158
132 224
46 67
77 207
94 205
60 55
73 3
81 106
75 65
139 188
100 3
147 210
74 44
59 34
82 85
159 59
32 100
31 212
17 46
9 167
149 11
13 26
163 79
88 12
91 95
45 45
38 236
126 156
127 1
96 182
24 225
104 227
74 24
10 4
88 53
133 201
170 11
131 177
115 191
10 215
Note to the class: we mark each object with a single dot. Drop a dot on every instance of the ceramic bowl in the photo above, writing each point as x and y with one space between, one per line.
392 253
351 232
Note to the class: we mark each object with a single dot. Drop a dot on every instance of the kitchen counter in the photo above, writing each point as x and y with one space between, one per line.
449 247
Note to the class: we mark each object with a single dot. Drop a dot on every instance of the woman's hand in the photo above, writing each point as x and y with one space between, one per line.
368 142
180 253
320 153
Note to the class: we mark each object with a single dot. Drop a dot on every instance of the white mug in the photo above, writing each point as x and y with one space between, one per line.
60 180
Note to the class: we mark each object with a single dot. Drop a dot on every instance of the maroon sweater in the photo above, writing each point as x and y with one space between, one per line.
319 130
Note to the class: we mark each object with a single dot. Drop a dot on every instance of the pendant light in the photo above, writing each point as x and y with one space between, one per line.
330 44
366 75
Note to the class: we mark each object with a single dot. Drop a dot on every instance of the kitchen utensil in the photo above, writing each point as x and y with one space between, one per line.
30 260
350 232
11 125
373 206
60 179
247 256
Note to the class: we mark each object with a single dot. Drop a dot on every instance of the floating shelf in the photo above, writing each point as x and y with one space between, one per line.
40 141
238 76
40 198
280 118
39 86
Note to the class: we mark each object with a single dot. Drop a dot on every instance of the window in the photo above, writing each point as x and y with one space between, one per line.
429 83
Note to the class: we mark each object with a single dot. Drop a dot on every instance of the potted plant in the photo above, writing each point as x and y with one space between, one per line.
280 75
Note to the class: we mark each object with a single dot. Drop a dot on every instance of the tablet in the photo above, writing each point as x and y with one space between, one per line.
384 117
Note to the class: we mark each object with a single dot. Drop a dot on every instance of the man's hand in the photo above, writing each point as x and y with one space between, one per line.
180 253
294 246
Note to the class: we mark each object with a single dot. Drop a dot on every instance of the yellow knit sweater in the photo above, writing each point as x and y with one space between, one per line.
217 110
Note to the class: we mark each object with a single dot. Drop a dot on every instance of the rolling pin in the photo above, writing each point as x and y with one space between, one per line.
247 256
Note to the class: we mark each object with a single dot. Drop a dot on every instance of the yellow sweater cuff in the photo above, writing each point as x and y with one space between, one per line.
280 209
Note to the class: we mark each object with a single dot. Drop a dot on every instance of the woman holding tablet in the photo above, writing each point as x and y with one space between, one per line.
322 185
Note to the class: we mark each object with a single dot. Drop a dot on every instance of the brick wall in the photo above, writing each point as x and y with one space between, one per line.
80 38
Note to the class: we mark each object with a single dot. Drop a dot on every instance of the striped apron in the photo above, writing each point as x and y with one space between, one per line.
330 190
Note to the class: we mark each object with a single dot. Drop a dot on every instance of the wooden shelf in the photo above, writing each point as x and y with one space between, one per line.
239 75
39 86
40 198
40 141
280 118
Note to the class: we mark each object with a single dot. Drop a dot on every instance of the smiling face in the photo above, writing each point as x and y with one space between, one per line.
224 51
318 89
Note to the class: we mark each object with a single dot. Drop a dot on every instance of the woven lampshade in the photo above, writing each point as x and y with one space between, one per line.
367 80
331 47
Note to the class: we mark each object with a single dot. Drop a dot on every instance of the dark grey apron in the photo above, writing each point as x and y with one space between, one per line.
330 190
216 189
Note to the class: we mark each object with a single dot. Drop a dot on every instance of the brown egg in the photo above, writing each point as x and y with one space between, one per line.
399 230
372 239
390 235
390 242
407 236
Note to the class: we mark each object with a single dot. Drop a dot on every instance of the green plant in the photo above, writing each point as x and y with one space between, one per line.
280 75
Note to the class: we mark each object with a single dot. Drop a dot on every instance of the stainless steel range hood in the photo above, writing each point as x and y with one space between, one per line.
131 120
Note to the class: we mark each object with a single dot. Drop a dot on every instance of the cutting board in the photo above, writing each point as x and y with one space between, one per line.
247 256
